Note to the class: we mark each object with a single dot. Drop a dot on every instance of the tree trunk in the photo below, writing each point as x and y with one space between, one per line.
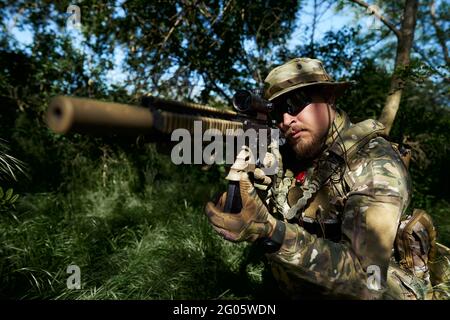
405 42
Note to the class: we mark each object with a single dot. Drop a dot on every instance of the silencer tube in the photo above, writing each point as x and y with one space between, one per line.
67 114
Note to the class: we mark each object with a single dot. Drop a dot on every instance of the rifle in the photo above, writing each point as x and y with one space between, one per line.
157 116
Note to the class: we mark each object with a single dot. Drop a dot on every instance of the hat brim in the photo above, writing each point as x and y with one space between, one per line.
335 89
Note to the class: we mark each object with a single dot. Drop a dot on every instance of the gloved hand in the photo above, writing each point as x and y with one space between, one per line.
251 223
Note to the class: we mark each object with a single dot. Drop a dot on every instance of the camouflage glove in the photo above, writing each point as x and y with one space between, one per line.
262 182
252 223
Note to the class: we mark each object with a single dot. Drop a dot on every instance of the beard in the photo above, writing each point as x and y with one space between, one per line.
309 146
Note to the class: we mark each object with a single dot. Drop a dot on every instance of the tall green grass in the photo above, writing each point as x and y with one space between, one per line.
135 227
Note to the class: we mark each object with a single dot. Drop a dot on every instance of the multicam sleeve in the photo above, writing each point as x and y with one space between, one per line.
378 195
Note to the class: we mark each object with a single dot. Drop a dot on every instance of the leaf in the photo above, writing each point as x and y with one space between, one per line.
1 192
8 194
14 198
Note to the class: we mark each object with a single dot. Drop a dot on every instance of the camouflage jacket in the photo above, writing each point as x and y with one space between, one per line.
342 237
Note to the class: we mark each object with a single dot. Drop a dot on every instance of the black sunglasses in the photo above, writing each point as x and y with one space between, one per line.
291 104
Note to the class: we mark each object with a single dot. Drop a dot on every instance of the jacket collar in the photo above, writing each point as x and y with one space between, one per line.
344 138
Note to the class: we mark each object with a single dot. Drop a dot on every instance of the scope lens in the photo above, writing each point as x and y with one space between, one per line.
242 100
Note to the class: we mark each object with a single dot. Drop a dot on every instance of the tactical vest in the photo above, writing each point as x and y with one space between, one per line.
317 203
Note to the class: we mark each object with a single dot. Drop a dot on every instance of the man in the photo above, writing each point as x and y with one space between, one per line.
330 224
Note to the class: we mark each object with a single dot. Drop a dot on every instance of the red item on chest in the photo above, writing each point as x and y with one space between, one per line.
300 178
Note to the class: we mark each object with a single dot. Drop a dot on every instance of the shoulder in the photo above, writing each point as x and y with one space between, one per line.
378 152
376 169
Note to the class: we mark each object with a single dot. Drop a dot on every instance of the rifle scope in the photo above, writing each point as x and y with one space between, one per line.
248 102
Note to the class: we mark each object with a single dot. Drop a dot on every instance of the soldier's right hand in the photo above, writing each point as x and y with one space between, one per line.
251 223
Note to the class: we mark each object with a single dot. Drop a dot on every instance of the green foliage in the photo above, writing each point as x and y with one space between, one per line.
7 199
9 165
178 42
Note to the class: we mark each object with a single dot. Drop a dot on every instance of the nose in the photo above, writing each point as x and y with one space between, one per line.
287 121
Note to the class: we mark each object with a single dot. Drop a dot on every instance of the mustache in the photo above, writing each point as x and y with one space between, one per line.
293 130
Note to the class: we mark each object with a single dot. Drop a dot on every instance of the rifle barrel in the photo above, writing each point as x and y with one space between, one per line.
69 114
92 116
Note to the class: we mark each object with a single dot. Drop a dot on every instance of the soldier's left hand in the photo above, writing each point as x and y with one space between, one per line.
251 223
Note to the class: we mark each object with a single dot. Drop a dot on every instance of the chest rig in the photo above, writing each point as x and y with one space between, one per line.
317 202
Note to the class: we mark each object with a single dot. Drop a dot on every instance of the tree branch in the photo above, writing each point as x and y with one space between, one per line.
222 14
385 21
313 30
430 64
218 89
439 33
402 61
172 29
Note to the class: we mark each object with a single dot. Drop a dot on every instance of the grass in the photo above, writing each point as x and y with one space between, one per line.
136 232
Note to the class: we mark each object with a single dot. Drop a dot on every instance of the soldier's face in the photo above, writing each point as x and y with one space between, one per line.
305 129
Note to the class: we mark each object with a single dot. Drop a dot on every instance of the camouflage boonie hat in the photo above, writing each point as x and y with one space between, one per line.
298 73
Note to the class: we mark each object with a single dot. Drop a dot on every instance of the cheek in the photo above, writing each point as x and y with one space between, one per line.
315 117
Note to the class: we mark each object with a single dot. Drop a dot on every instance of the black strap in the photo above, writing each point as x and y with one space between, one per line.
273 244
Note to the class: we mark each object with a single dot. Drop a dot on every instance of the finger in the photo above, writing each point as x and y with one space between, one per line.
246 186
221 203
228 235
263 178
215 215
218 218
259 176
